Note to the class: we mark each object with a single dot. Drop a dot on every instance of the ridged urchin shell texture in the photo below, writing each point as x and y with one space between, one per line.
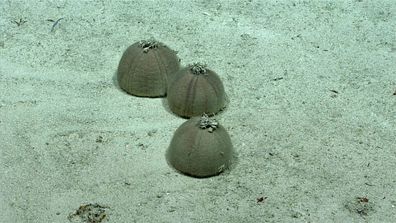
146 67
195 90
200 147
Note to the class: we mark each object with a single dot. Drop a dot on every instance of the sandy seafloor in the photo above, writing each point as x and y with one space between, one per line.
312 111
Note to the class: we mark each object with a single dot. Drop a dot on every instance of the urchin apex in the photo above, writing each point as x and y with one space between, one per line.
208 123
148 44
198 68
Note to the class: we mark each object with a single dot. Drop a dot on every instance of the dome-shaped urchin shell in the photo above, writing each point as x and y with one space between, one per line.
195 90
200 147
146 67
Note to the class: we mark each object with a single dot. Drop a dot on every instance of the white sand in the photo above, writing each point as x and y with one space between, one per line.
69 136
